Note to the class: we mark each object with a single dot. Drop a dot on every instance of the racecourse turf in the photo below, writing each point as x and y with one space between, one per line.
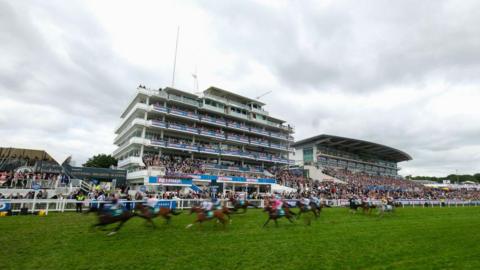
410 238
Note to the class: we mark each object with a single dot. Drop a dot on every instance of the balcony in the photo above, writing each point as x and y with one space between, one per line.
239 115
184 128
159 108
213 108
212 134
237 138
238 126
130 160
259 131
259 143
184 100
185 114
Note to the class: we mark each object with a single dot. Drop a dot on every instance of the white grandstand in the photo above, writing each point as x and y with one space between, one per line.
230 137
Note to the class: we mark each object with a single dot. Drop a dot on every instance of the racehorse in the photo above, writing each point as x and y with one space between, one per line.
367 208
163 212
307 208
386 208
106 217
219 215
241 205
355 204
273 214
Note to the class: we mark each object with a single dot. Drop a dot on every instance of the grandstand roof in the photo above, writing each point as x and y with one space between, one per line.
227 94
357 146
31 154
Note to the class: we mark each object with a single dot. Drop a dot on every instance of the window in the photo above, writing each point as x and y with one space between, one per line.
307 155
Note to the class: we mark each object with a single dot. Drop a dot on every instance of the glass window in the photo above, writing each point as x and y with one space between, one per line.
308 154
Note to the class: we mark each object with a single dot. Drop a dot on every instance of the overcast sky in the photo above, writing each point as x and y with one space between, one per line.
400 73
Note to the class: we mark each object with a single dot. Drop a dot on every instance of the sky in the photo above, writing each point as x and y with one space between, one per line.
399 73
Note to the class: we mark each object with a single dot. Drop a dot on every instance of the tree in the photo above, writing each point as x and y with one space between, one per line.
101 161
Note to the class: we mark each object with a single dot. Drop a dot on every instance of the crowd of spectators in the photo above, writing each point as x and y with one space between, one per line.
361 185
177 165
18 179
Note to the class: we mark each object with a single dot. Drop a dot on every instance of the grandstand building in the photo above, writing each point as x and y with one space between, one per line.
334 152
231 137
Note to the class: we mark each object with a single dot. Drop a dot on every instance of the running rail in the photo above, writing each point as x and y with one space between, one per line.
69 205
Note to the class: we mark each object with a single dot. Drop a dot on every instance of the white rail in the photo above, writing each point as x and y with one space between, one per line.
68 205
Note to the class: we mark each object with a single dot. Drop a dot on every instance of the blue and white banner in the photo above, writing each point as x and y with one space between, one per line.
237 179
160 180
4 206
172 204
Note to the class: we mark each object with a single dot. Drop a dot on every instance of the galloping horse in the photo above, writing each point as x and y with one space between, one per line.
219 215
106 217
273 214
241 205
319 207
386 208
367 208
354 204
163 212
307 208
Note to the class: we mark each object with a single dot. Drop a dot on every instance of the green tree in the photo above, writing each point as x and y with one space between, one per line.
101 161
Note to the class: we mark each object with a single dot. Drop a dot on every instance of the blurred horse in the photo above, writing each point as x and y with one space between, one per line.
106 217
274 214
237 204
164 212
219 215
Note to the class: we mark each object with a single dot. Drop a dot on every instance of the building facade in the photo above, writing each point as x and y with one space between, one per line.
232 136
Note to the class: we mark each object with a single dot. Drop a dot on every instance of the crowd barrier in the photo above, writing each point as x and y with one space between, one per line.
68 205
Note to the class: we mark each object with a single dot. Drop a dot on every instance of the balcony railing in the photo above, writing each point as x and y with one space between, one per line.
217 135
216 150
220 122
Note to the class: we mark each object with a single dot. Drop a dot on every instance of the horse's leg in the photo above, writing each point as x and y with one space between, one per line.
268 220
119 226
167 219
94 226
276 222
147 218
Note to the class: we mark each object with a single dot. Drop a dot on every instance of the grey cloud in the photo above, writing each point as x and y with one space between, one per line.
355 46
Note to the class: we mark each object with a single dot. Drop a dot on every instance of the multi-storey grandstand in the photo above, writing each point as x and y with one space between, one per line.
170 139
334 152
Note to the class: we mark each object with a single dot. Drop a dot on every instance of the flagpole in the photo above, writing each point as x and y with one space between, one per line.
175 57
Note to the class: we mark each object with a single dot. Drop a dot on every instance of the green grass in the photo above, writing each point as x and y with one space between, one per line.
418 238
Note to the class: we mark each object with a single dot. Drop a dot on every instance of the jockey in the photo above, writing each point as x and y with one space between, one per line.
152 203
241 198
306 202
116 208
384 200
278 204
207 206
315 200
366 199
216 203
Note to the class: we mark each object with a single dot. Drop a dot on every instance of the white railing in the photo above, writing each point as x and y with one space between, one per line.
69 205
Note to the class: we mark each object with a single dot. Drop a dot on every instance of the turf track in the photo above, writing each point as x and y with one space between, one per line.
419 238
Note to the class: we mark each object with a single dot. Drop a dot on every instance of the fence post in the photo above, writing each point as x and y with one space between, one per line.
34 202
46 210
